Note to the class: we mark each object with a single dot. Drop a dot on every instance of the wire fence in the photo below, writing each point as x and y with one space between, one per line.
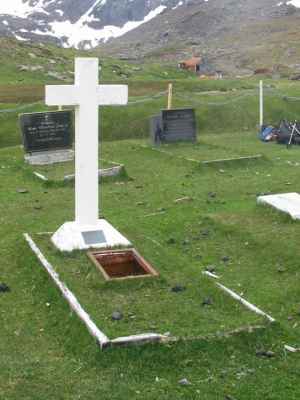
180 96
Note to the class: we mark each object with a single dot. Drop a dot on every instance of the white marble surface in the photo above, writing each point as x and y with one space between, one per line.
86 95
49 157
288 203
69 236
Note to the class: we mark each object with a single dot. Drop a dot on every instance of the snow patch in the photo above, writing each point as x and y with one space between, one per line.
81 32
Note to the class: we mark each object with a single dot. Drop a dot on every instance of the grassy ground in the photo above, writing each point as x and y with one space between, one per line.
218 104
57 172
47 353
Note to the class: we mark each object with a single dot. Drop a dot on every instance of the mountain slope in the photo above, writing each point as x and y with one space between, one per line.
77 23
236 36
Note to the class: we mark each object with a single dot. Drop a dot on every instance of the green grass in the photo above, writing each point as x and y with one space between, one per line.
218 107
47 353
57 172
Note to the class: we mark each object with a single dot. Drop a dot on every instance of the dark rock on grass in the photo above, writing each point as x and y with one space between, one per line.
186 242
4 288
205 232
207 302
211 269
225 259
171 241
265 353
178 289
117 316
212 195
281 269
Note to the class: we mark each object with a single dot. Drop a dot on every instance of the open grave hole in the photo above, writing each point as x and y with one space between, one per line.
122 264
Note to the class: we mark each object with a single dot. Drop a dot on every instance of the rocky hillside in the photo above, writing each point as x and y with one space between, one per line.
236 36
77 23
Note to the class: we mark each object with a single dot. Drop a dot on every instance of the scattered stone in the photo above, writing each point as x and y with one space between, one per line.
140 203
178 289
212 195
182 199
184 382
161 210
225 259
186 242
207 302
117 316
56 75
22 190
4 288
205 232
211 269
281 270
171 241
265 353
290 318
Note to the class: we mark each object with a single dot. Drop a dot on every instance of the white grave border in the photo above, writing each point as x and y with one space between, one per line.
104 342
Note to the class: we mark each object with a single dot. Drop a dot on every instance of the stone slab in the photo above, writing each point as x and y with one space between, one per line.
49 157
288 203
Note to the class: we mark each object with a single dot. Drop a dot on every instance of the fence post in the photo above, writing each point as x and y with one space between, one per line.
170 96
261 104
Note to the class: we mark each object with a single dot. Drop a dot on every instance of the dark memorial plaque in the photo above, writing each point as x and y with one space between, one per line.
179 125
174 126
47 131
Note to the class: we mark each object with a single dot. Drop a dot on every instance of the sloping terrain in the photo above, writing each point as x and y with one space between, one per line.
77 23
236 36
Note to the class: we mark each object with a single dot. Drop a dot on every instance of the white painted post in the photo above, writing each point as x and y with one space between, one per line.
86 143
86 95
261 104
170 96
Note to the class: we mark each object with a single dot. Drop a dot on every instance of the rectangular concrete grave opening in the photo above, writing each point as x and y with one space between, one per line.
122 264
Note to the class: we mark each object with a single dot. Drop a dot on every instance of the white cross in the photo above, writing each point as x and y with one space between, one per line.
86 95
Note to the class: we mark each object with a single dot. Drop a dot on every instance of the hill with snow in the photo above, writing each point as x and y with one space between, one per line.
77 23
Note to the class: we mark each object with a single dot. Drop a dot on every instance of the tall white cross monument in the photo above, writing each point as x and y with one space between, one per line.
87 95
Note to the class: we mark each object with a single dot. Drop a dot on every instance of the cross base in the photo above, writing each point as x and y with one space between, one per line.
74 236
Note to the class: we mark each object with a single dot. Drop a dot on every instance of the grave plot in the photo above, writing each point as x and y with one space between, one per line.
214 151
177 303
64 172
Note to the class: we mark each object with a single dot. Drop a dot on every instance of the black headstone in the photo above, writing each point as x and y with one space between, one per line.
174 126
47 131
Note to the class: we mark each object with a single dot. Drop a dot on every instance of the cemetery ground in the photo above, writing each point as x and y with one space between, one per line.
182 216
